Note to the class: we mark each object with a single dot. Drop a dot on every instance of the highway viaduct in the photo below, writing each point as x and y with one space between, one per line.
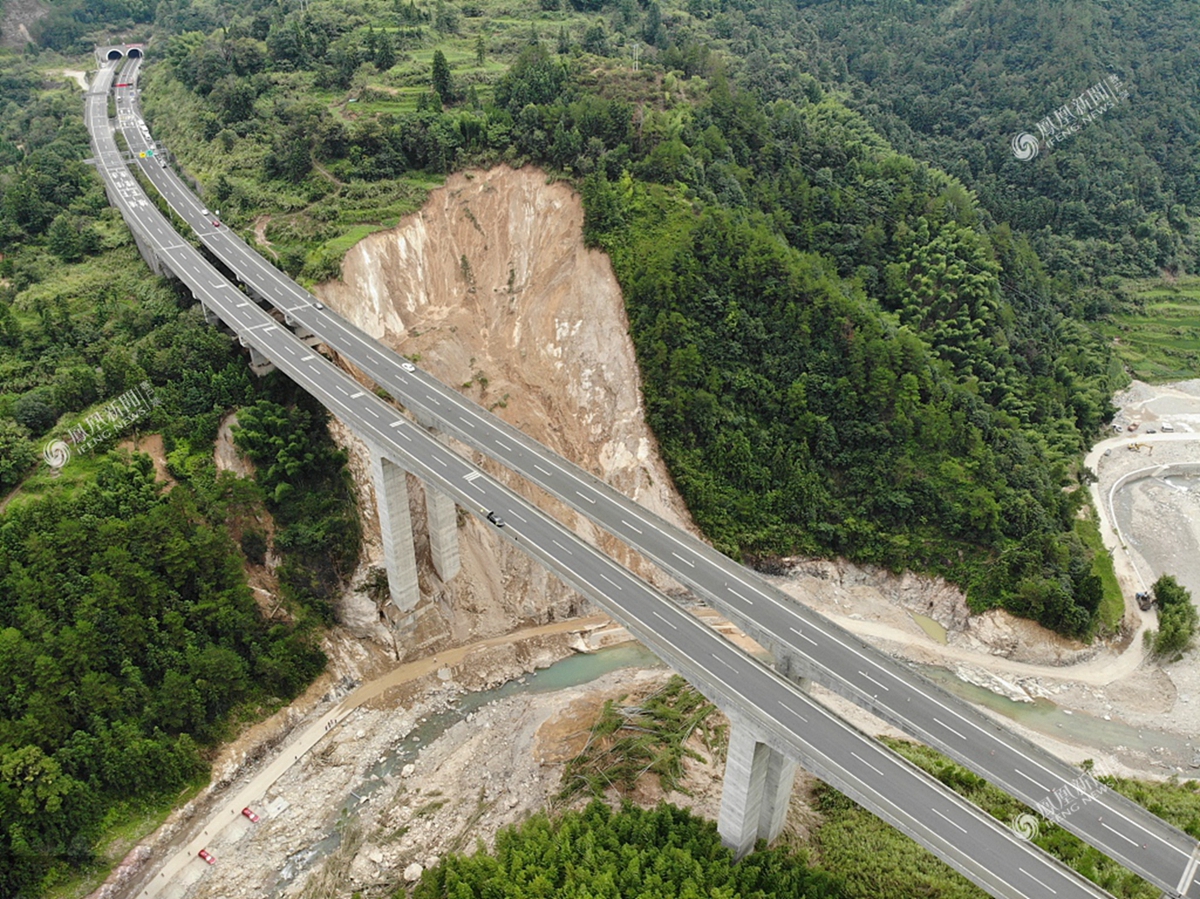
761 763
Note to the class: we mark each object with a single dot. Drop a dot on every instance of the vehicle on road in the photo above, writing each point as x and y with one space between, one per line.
207 856
216 224
205 212
249 813
319 305
495 519
408 366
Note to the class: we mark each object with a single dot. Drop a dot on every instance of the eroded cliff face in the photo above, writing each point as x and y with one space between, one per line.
491 287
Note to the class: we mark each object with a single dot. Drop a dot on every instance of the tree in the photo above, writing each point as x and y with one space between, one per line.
1177 617
480 47
442 84
385 55
17 453
595 39
63 238
35 410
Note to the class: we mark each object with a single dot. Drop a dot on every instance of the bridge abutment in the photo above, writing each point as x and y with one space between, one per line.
756 791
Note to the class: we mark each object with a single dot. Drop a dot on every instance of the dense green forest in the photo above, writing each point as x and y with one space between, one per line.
864 326
842 352
598 853
951 84
130 643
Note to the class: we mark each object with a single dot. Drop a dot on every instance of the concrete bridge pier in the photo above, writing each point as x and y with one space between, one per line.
260 364
395 530
756 791
145 249
443 528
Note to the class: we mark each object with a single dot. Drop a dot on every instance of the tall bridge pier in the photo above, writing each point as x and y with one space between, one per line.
756 791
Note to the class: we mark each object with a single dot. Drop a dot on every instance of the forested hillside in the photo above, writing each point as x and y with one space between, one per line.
843 351
861 321
130 643
951 83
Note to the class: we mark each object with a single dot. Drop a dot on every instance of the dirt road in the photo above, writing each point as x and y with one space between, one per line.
229 808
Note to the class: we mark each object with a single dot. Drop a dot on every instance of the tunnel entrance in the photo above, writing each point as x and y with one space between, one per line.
134 53
115 54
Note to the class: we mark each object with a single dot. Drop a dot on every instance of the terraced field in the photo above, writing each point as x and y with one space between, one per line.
1162 341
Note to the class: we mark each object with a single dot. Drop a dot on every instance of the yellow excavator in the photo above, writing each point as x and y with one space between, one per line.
1138 447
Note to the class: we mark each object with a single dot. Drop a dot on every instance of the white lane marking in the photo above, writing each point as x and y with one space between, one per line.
1121 835
875 682
1031 780
957 714
628 525
396 423
687 562
563 548
517 515
438 459
539 468
472 476
240 305
343 391
948 821
792 710
307 358
404 434
723 662
464 421
664 621
802 636
1035 880
742 598
373 412
503 446
868 764
949 728
1189 871
588 498
355 396
611 581
434 400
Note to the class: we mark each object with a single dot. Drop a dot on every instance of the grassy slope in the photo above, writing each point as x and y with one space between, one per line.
878 862
1161 342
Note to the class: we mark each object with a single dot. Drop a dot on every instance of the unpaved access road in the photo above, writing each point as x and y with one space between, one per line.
229 809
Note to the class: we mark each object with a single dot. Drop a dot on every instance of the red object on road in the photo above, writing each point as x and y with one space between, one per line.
249 814
208 856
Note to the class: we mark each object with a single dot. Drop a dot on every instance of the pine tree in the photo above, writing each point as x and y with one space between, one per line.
385 56
441 77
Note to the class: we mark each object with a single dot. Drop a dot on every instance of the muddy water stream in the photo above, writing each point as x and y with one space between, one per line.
570 672
1045 717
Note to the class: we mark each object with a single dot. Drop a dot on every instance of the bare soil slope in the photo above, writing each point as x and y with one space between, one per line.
491 288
